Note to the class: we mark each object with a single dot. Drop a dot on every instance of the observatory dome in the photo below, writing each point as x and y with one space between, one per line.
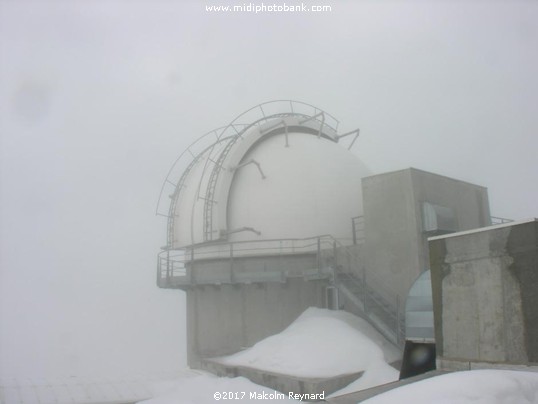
282 177
311 188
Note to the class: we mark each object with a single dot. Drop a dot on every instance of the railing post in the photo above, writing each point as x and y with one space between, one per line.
167 265
193 275
319 254
398 333
232 275
159 270
280 258
364 289
335 253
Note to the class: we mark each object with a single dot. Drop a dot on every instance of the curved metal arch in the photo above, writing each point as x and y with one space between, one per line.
219 187
294 107
302 117
173 187
168 180
179 186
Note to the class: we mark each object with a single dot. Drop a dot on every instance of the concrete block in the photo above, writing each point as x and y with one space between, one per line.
484 285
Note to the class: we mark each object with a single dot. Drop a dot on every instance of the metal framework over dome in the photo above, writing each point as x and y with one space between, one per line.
206 169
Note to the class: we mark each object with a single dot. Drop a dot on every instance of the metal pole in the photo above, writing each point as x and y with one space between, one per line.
232 276
280 258
193 275
354 231
335 255
398 334
167 265
364 288
319 255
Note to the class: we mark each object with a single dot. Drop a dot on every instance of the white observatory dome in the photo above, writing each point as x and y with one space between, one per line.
312 188
284 176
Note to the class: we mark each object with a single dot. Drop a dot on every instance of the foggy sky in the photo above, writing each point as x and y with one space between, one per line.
98 98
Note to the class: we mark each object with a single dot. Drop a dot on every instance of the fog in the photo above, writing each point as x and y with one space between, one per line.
98 98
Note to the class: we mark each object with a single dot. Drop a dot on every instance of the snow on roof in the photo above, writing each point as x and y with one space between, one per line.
482 229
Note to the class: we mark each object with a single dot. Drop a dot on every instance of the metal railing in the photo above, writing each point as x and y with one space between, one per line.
357 229
172 264
499 220
385 314
332 260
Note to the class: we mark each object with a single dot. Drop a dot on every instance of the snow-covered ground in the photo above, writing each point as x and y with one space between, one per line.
319 343
375 375
469 387
85 389
322 343
205 388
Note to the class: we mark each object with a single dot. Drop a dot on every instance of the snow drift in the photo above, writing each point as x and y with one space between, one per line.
319 343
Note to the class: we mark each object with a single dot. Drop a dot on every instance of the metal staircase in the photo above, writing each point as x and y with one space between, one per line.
360 298
383 315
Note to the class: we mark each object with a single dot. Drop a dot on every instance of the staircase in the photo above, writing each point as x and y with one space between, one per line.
369 304
360 298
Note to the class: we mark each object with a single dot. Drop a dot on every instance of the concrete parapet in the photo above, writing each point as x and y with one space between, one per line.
485 294
455 365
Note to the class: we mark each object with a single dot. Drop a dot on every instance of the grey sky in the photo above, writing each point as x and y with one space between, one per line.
98 98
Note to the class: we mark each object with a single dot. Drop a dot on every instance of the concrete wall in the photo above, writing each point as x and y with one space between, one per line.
485 291
396 250
234 303
224 319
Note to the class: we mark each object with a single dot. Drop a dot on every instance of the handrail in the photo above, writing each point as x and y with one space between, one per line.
214 248
500 220
372 301
357 229
285 106
330 252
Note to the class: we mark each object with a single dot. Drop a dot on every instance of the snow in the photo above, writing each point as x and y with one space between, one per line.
205 388
375 375
467 387
321 343
85 389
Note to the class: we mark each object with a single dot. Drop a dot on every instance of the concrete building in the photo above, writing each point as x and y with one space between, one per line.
274 215
402 209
